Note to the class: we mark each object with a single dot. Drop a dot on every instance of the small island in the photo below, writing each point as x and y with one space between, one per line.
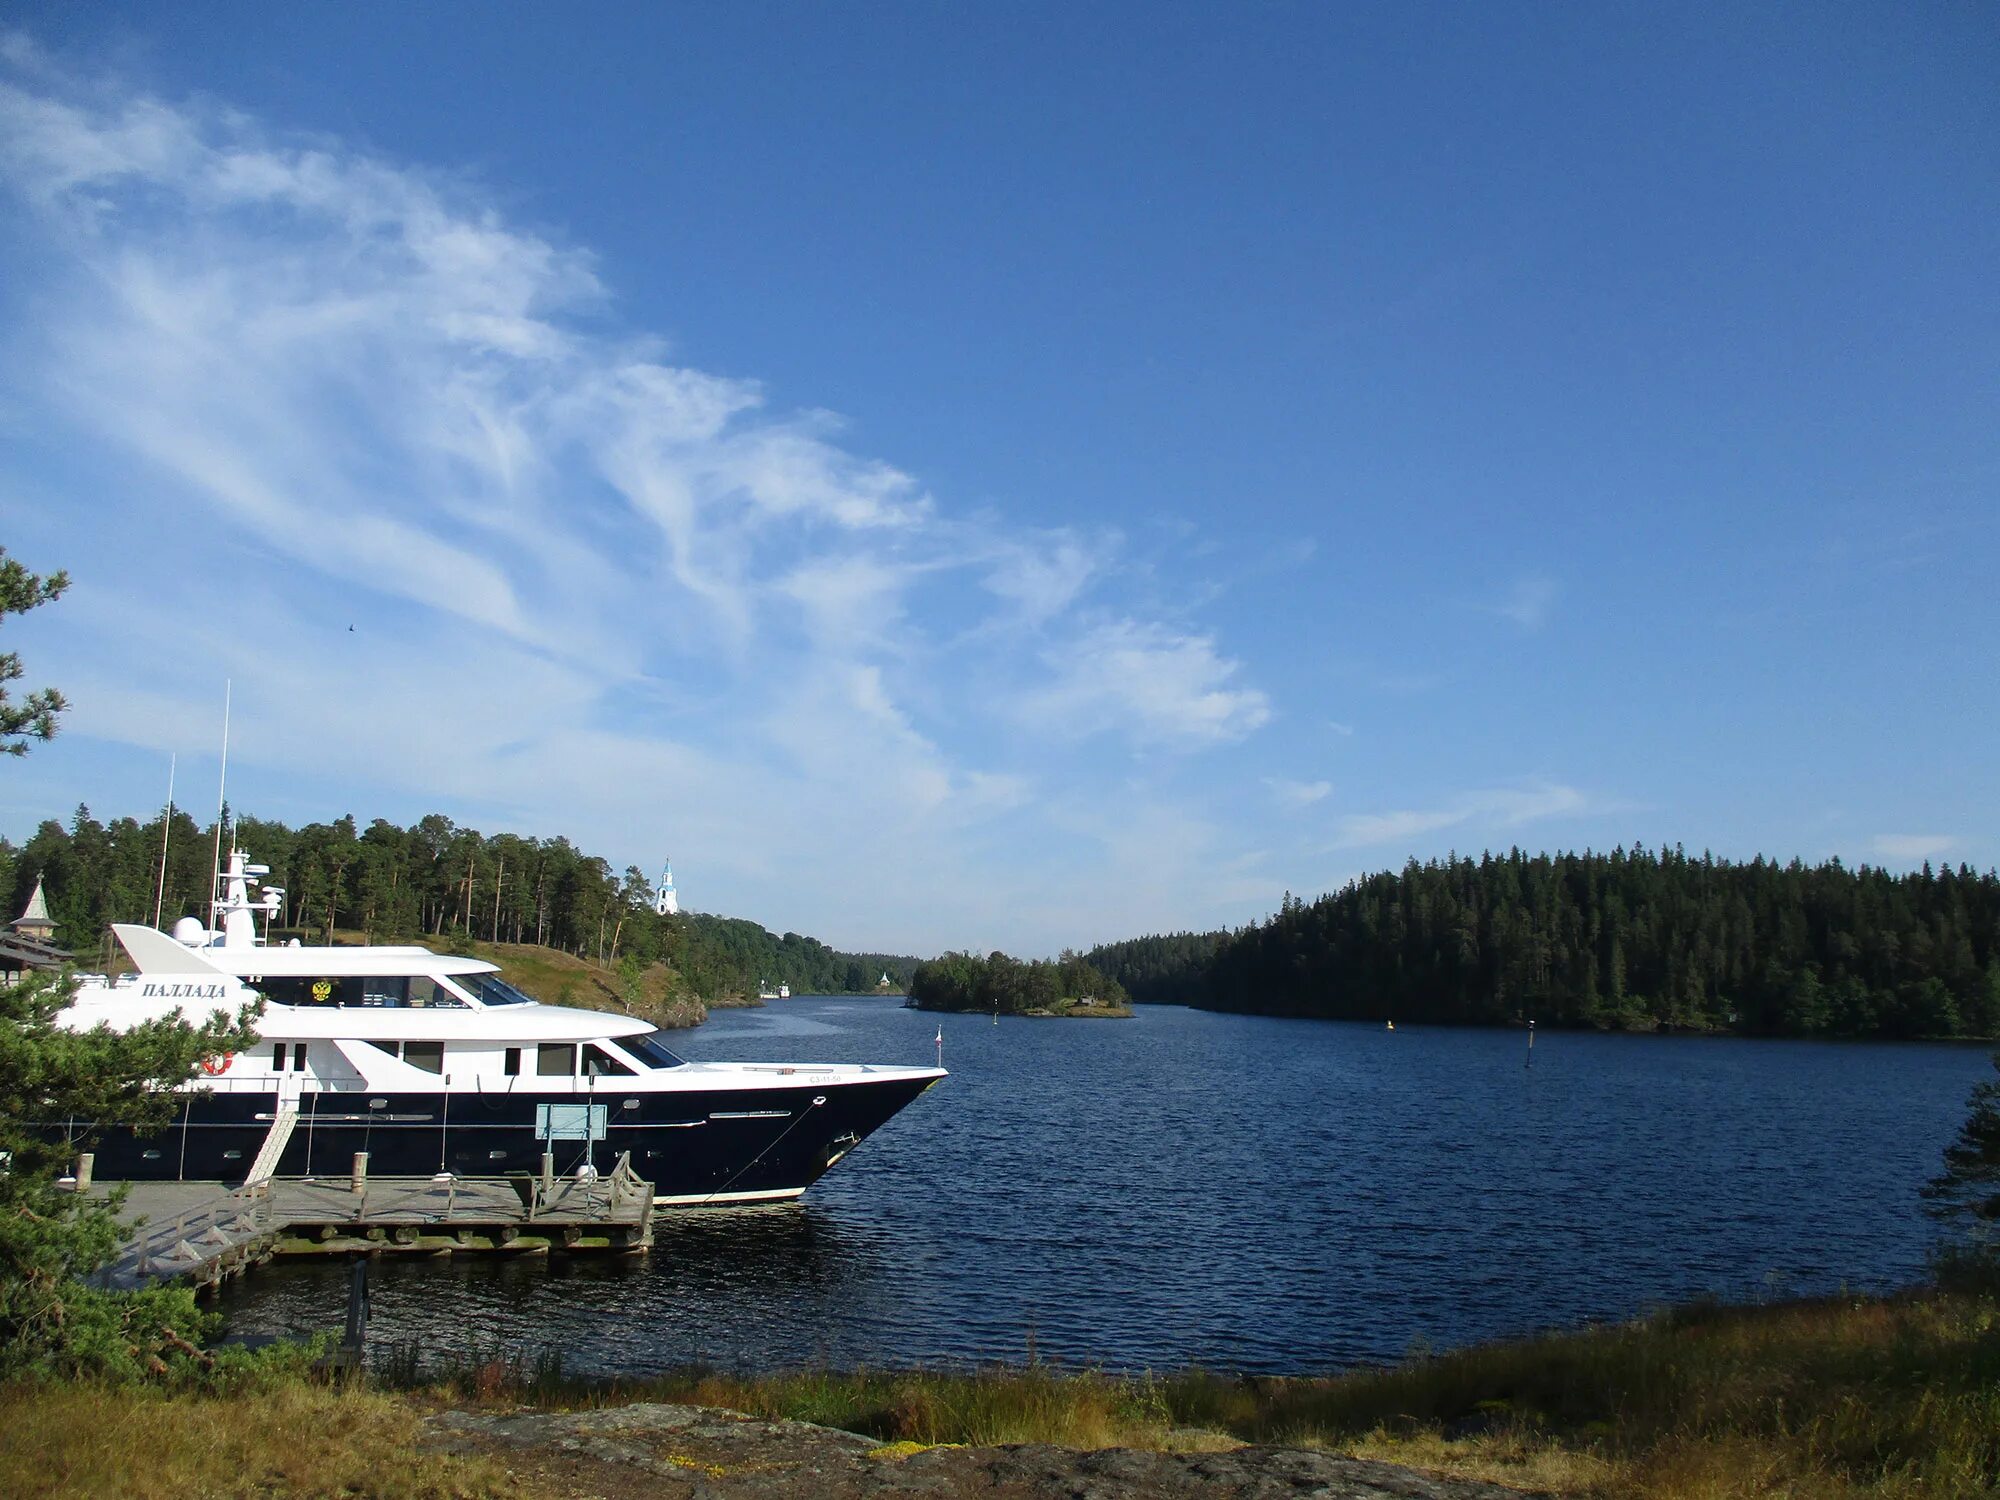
1067 986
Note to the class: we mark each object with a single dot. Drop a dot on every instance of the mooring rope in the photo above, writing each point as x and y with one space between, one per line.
818 1100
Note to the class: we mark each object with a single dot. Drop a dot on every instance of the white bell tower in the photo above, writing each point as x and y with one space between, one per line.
665 901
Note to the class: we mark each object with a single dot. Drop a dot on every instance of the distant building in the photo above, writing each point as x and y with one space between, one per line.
28 944
666 901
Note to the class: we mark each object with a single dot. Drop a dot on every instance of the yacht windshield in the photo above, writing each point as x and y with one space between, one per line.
651 1051
491 989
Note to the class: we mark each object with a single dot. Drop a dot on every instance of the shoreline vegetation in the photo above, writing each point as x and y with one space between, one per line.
1845 1396
1088 1008
1004 986
1633 940
442 885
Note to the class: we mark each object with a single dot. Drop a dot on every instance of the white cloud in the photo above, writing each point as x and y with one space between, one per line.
1528 603
596 592
1043 579
1494 808
1913 846
1149 682
1298 793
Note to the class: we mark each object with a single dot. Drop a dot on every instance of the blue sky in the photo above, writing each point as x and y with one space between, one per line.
1015 477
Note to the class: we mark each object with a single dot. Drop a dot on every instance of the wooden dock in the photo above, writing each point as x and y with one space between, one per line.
207 1231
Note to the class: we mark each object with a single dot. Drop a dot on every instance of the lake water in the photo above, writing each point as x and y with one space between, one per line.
1231 1191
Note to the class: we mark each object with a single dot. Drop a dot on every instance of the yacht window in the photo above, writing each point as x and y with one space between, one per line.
278 1058
298 1057
426 1055
384 989
490 989
511 1063
651 1051
601 1064
556 1059
422 989
294 989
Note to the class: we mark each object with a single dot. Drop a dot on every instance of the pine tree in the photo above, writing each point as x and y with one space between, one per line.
1969 1187
34 717
51 1321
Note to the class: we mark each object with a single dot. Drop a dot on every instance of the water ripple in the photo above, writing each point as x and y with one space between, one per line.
1233 1191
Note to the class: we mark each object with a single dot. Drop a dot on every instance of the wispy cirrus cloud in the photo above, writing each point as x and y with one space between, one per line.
1529 602
1913 846
1499 807
1151 682
594 591
1298 793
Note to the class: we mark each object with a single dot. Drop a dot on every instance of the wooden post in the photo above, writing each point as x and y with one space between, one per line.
360 1172
86 1163
354 1337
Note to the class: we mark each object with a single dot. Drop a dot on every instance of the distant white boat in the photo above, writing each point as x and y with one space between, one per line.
765 992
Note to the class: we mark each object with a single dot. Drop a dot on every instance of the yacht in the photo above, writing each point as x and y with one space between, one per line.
434 1064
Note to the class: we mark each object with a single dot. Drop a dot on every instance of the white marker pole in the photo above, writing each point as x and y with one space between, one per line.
221 806
166 829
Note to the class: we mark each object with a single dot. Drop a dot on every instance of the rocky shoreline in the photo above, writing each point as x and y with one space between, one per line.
658 1451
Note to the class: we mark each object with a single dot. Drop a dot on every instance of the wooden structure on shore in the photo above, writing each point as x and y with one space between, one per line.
207 1232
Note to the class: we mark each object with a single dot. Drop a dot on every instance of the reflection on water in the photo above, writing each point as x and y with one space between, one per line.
1233 1191
763 1272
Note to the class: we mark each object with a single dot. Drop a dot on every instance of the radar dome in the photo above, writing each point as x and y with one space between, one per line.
189 930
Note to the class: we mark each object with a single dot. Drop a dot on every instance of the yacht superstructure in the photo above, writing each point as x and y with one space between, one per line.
432 1063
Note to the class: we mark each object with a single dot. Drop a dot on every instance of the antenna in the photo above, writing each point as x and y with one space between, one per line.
166 830
221 803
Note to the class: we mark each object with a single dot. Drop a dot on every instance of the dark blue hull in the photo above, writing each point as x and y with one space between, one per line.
726 1145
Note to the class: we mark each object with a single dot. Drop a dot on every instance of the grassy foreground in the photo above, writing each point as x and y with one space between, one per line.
1845 1397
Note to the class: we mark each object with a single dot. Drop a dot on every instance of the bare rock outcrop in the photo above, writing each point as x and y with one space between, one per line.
666 1452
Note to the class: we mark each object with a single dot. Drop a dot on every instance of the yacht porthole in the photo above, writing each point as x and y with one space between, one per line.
631 1103
150 1155
496 1156
232 1155
378 1103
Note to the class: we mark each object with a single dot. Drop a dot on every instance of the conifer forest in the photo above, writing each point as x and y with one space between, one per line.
432 881
1630 940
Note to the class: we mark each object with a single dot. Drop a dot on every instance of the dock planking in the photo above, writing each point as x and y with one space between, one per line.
208 1231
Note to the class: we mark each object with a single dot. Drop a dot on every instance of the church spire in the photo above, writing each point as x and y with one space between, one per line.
36 921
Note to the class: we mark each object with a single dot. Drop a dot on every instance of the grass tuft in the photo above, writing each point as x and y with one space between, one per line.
1837 1399
297 1438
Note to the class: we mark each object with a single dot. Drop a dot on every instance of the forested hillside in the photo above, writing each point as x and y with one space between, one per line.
1632 939
1004 985
433 880
1164 970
